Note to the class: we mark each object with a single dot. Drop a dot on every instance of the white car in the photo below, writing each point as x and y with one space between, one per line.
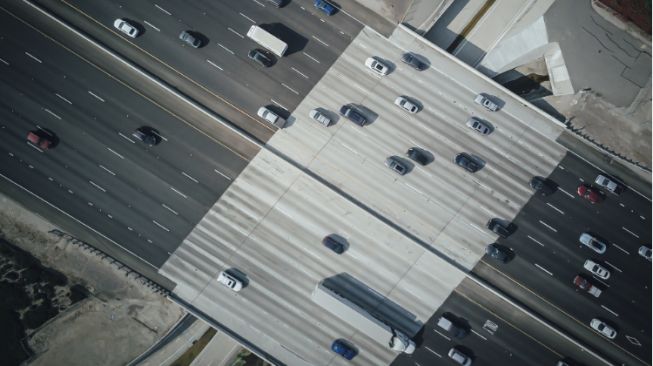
127 28
230 281
377 66
601 327
460 358
319 117
271 117
597 269
592 242
479 126
407 105
608 184
645 252
486 102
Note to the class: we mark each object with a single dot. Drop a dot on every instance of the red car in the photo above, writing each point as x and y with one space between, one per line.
39 139
589 193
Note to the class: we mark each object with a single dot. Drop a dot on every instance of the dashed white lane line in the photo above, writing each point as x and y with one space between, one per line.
609 310
96 96
479 335
226 49
299 72
179 193
236 33
620 248
169 209
630 232
152 26
106 169
97 186
442 335
279 104
261 4
33 57
321 41
565 192
543 269
289 88
161 226
533 239
214 65
248 18
4 61
162 9
432 351
414 189
555 208
115 153
349 148
621 204
642 217
63 98
189 177
548 226
126 137
311 57
477 228
52 113
222 174
613 266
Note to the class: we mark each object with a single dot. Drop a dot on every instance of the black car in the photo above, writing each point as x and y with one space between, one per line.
413 61
147 135
418 155
500 228
497 252
261 57
333 244
467 162
353 114
542 185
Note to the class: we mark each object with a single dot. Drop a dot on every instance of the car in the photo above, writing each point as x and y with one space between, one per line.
126 27
596 269
486 103
271 117
459 357
277 3
592 242
344 349
325 7
497 252
228 280
40 139
479 126
407 105
448 322
377 66
589 193
418 155
147 135
319 117
500 228
467 162
396 165
261 57
603 328
609 184
352 113
333 244
645 252
188 38
412 60
585 285
542 185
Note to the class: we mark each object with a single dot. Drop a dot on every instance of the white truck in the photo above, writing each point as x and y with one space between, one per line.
267 40
362 320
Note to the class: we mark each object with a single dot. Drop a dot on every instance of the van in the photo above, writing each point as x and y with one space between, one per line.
448 323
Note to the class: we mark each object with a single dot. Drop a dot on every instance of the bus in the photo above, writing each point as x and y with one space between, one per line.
267 40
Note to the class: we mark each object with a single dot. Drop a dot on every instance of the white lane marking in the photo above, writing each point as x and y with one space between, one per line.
259 3
555 208
63 98
533 239
126 137
349 148
479 335
630 232
107 169
613 266
477 228
548 226
162 9
289 88
161 226
120 156
35 147
152 25
179 193
279 104
222 174
96 96
225 48
561 167
311 57
233 31
160 136
642 217
299 72
432 351
599 281
443 336
4 62
606 308
213 64
621 204
565 192
97 186
52 113
543 269
169 209
248 18
487 210
321 41
33 57
189 177
414 189
620 248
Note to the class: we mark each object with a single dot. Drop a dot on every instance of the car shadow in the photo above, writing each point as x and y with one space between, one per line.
242 276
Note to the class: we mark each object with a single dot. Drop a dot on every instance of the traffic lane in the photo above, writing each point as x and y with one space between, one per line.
342 21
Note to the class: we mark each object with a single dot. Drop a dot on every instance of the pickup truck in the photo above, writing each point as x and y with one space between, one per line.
585 285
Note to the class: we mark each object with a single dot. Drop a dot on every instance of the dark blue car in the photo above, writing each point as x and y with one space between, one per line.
327 8
343 349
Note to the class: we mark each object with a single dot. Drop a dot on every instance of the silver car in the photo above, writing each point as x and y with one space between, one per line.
603 328
188 38
479 126
407 105
608 184
592 242
645 252
486 103
459 357
377 66
126 27
228 280
396 165
596 269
